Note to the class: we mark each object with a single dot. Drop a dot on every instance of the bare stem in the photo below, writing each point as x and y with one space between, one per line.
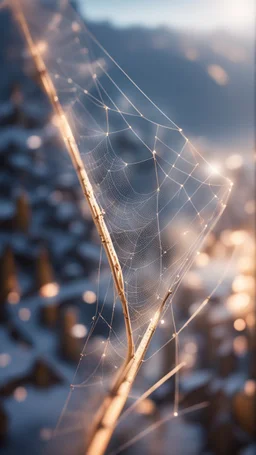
68 137
106 418
151 390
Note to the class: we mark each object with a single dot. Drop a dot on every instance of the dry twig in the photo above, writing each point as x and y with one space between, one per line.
107 416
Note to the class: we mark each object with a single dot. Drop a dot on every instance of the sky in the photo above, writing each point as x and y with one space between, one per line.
233 15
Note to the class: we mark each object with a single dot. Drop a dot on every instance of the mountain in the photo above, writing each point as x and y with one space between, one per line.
204 82
173 69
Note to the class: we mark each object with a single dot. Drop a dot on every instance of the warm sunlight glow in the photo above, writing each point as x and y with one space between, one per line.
250 387
75 26
13 297
214 168
250 207
5 359
251 320
246 265
20 394
193 280
45 434
239 325
243 283
218 74
24 314
240 345
202 260
78 331
238 237
237 303
34 142
49 290
146 407
89 297
190 347
191 54
144 185
234 161
42 46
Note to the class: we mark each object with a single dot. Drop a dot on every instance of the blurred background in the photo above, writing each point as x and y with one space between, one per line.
195 60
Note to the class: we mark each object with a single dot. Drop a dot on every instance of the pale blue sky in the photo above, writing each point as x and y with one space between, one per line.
235 15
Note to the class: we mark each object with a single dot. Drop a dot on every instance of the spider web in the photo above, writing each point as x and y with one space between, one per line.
159 196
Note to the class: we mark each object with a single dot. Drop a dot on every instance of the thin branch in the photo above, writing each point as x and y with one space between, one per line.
151 390
70 142
198 310
107 416
154 426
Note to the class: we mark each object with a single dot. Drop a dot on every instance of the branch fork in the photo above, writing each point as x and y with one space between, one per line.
107 416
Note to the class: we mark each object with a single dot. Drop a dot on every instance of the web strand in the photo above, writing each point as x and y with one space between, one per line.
160 197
